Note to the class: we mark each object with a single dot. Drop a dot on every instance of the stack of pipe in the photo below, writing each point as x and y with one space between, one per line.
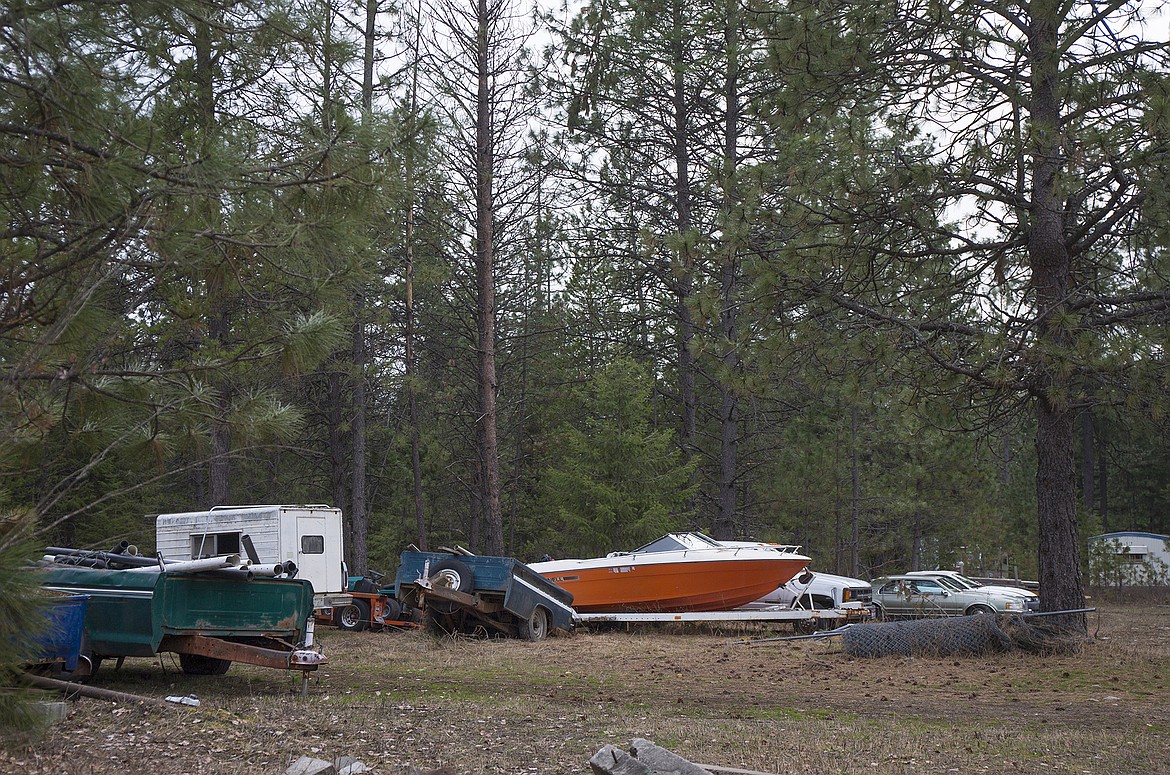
126 557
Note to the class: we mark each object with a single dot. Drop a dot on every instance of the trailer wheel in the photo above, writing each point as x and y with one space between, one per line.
392 610
197 664
535 627
450 574
354 617
806 626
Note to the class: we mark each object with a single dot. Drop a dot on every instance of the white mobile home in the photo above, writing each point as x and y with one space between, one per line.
309 536
1129 559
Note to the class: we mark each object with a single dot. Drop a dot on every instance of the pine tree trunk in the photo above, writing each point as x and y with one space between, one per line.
336 441
684 285
1050 263
729 402
218 323
1088 461
358 518
1103 490
855 515
484 170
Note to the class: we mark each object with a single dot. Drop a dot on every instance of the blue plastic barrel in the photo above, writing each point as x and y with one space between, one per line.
61 640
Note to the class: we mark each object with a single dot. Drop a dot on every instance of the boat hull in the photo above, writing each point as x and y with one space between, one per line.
628 585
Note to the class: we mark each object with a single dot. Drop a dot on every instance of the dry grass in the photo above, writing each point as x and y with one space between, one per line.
512 707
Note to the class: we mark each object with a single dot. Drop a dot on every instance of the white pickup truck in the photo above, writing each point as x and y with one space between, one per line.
819 591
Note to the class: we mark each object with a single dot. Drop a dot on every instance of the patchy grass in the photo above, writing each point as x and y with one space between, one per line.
512 707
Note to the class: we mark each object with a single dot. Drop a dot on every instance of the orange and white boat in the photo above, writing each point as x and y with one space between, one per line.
678 572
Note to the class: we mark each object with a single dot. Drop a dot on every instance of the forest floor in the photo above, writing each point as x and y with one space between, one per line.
503 706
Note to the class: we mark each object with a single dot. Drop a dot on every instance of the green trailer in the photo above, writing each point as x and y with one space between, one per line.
210 620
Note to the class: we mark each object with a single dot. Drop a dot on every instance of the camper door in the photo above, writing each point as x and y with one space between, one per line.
318 551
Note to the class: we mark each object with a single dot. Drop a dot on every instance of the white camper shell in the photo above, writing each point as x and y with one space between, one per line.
310 536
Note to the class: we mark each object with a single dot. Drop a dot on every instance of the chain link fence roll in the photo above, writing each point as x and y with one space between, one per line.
973 635
956 635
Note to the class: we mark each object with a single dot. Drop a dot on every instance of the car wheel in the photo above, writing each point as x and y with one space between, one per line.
535 627
355 617
980 609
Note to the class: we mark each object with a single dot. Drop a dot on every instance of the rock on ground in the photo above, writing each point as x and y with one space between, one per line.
643 758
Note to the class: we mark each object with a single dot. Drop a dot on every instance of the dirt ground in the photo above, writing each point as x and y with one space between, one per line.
500 706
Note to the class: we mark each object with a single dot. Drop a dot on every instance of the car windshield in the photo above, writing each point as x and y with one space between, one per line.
966 582
949 583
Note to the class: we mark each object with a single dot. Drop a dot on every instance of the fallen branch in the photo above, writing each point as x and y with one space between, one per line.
90 691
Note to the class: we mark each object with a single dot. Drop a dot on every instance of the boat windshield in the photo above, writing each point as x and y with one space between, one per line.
676 541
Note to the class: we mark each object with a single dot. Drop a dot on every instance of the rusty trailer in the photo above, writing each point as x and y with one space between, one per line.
460 592
208 620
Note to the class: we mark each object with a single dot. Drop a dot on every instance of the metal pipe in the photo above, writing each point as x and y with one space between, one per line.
195 566
1031 614
239 574
813 636
249 548
124 559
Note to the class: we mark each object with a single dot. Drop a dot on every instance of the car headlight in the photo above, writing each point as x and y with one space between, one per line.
1011 604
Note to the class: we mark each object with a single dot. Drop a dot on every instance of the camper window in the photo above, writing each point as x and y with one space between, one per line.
214 544
313 544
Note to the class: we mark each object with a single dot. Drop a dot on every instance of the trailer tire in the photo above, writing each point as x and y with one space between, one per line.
535 627
451 574
354 617
197 664
806 626
392 610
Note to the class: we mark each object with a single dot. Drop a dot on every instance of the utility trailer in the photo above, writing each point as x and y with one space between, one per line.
802 620
210 620
308 536
461 592
373 607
